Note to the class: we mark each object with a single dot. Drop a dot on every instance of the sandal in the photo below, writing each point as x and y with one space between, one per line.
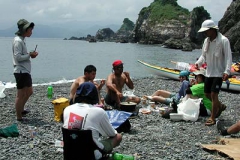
210 122
24 112
223 107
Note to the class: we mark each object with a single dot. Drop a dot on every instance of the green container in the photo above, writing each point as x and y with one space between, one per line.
50 92
117 156
127 157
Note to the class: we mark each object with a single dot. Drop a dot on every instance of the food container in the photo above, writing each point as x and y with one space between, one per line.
144 100
152 105
128 106
162 111
176 116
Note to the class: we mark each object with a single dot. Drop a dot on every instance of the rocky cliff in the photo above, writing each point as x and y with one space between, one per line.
229 25
105 34
165 22
123 34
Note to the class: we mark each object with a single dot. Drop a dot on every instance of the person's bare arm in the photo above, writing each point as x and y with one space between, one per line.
110 85
129 82
75 86
73 90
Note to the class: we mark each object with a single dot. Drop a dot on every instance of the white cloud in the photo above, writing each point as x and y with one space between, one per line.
108 11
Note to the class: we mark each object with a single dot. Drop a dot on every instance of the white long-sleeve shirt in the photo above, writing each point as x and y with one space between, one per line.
218 56
21 58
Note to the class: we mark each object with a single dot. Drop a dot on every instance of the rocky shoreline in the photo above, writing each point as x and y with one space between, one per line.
151 137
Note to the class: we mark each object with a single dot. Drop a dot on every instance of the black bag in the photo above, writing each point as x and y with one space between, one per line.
119 120
124 127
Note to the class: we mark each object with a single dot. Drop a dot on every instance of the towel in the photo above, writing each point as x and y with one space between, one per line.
218 48
10 131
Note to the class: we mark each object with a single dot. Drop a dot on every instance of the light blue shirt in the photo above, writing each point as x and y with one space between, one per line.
21 58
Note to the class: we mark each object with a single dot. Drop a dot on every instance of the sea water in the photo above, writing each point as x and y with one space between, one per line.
61 61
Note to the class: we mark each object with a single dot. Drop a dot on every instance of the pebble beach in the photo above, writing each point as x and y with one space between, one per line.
151 137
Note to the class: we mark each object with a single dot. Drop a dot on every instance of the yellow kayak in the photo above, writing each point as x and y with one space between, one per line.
234 83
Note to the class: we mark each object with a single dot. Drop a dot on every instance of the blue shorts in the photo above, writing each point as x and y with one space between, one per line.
23 80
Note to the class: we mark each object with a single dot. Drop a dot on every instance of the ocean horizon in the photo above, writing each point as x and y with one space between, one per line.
61 61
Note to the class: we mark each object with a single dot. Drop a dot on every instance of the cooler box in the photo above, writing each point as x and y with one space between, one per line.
59 105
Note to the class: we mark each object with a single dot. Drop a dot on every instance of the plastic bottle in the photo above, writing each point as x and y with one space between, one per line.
50 92
118 156
181 99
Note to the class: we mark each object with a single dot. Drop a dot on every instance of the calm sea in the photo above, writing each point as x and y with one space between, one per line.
63 60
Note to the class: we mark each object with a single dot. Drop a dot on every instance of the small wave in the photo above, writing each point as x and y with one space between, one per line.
12 85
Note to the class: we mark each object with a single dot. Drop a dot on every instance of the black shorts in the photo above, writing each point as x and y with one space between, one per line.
23 80
212 84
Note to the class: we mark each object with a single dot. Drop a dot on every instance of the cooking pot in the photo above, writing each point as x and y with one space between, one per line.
128 106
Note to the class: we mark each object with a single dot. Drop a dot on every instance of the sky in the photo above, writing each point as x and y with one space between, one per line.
48 12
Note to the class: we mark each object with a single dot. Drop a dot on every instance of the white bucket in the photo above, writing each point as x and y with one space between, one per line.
2 88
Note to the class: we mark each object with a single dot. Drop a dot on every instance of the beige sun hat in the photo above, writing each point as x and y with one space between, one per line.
207 24
23 24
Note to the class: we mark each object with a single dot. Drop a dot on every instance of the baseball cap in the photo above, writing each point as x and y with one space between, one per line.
207 24
201 71
184 73
117 63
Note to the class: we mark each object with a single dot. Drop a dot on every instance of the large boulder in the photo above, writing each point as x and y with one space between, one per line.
229 25
165 22
105 34
123 34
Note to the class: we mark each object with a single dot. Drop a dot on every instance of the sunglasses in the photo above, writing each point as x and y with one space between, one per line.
118 68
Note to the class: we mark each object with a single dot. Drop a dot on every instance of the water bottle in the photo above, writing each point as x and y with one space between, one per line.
50 92
181 99
118 156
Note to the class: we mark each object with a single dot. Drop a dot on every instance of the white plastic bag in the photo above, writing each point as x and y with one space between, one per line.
190 109
2 88
183 66
129 93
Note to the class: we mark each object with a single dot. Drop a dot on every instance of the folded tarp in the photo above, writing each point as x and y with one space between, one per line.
119 120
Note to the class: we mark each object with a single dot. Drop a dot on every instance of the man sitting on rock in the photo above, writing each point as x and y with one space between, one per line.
115 83
89 75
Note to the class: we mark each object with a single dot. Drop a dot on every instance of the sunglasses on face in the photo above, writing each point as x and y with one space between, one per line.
119 68
181 77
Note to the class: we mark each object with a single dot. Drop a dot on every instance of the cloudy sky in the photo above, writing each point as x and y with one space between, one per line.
105 11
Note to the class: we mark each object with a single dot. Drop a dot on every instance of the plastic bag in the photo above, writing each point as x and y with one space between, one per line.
190 109
129 93
2 88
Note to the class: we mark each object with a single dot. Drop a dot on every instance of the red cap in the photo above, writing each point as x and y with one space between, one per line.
117 63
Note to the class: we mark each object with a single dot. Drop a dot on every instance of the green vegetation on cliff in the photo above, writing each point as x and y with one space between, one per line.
161 10
127 25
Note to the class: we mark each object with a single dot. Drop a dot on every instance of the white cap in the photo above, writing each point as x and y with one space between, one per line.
207 24
201 71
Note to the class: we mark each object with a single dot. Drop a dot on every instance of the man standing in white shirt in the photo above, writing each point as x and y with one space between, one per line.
216 52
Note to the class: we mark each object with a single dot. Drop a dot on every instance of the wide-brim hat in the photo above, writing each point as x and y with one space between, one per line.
200 72
23 24
207 24
87 90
